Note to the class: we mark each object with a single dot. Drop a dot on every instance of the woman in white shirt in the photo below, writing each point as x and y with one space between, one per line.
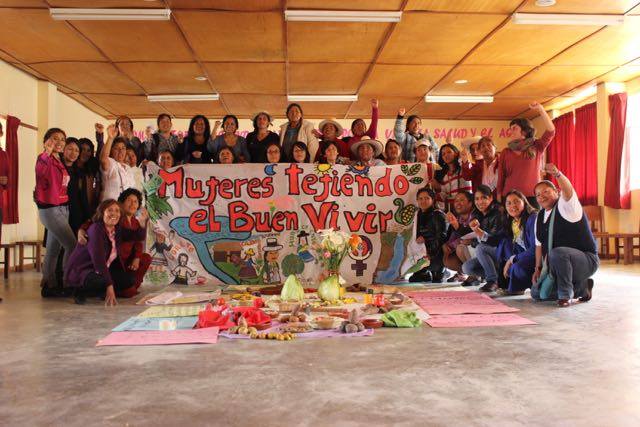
117 176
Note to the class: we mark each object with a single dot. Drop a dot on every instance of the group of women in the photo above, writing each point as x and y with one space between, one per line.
89 198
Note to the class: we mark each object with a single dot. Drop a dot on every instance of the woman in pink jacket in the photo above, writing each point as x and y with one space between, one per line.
52 200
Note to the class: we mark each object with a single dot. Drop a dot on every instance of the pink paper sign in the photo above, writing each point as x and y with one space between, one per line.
453 302
478 320
178 336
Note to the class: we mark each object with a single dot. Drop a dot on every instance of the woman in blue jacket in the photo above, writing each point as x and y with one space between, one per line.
516 252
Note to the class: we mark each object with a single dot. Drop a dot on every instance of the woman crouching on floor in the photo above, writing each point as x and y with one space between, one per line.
95 269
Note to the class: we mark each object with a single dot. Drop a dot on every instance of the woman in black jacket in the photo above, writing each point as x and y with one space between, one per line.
488 230
432 231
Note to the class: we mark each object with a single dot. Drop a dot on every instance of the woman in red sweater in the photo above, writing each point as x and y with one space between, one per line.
52 200
521 162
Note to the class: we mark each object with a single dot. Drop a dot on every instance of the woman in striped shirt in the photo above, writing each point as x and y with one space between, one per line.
448 181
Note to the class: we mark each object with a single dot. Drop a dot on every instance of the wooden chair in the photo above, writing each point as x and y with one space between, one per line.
36 254
595 215
626 241
5 260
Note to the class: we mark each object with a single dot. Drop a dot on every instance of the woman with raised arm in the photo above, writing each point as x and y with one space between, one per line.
52 180
520 163
117 175
564 241
410 134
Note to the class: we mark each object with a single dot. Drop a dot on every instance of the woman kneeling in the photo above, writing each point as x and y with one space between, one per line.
95 269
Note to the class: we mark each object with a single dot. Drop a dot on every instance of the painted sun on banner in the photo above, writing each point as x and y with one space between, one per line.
257 224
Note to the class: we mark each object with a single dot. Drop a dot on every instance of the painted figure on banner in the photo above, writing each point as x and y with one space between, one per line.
182 272
271 273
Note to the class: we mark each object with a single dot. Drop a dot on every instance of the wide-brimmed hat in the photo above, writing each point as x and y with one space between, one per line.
333 122
266 113
423 142
377 146
272 245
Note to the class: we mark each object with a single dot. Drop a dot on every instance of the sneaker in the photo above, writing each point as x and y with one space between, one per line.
421 276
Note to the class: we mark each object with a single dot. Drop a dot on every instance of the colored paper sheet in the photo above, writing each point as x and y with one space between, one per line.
172 311
189 336
167 298
156 323
453 302
478 320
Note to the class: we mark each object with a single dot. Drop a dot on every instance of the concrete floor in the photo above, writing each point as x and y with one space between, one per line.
579 366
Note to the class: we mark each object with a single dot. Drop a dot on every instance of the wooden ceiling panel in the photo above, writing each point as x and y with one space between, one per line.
504 107
345 4
482 79
432 110
190 109
136 40
328 79
22 3
132 4
388 106
90 105
403 80
234 36
246 106
623 74
581 6
135 106
31 35
527 44
91 77
334 41
423 38
6 57
611 46
244 5
551 80
324 110
29 70
478 6
241 77
166 77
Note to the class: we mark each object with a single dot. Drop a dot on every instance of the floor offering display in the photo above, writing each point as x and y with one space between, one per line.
242 312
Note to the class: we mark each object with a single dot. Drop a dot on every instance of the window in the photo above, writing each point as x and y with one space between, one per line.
632 140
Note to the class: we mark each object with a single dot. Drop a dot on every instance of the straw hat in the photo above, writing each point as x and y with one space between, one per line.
377 146
333 122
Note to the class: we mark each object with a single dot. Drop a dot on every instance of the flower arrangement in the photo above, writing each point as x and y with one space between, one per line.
334 246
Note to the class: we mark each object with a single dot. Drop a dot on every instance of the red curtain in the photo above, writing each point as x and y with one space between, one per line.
10 198
585 176
561 151
616 191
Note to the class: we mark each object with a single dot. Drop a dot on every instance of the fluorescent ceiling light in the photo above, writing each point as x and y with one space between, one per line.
447 98
72 14
566 19
341 16
461 81
337 98
177 98
575 98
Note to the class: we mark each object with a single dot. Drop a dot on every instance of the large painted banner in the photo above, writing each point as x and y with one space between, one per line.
256 224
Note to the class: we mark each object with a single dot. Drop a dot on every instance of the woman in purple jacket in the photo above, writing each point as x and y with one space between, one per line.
95 268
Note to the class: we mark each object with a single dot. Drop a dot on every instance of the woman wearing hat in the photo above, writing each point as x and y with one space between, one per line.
296 129
330 130
359 128
261 138
366 151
